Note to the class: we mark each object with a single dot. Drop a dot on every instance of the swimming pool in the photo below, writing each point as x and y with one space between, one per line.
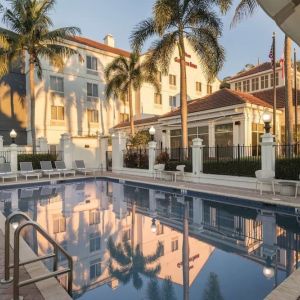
133 241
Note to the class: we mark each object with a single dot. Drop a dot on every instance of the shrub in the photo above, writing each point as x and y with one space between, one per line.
287 168
136 160
36 158
163 158
172 164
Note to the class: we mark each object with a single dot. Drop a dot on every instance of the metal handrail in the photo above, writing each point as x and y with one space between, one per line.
16 279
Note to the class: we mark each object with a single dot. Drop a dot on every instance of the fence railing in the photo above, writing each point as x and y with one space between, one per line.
4 156
136 158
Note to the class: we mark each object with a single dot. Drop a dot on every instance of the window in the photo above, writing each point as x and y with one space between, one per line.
198 87
224 135
276 79
255 84
94 217
127 235
95 242
246 86
209 89
159 77
172 101
93 116
59 224
162 253
92 90
57 84
157 99
123 117
57 113
60 256
95 269
264 82
238 86
91 63
298 83
257 132
174 245
172 80
159 229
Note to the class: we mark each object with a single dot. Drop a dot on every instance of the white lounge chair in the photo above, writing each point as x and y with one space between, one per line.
267 177
6 173
61 167
179 171
27 170
157 170
47 169
80 168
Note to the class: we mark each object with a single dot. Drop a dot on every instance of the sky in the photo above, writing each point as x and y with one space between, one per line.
248 42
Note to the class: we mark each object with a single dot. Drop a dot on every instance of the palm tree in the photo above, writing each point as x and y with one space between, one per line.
246 8
126 75
131 263
164 292
175 22
212 291
30 26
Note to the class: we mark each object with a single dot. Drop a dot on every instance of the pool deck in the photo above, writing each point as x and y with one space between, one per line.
288 290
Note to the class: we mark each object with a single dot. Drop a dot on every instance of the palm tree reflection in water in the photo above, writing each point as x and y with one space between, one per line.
164 292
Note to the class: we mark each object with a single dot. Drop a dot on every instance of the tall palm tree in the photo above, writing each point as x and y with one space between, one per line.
175 22
124 76
246 8
31 31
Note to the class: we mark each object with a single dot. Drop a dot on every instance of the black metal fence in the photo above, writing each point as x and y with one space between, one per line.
237 160
136 158
108 160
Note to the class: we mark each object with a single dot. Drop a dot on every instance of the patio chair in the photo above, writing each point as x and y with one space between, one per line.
6 173
179 172
47 169
267 177
61 167
157 170
27 170
80 168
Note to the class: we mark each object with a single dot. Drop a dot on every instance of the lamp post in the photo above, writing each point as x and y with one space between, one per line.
152 133
268 270
13 136
153 225
267 119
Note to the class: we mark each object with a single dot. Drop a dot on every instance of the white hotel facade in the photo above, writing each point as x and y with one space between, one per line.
71 100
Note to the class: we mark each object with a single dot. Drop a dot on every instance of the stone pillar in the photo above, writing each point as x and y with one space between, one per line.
198 211
14 157
211 134
118 147
67 150
268 152
43 144
1 142
197 156
103 146
152 155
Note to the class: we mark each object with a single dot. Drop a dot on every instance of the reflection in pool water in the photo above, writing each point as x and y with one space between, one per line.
131 242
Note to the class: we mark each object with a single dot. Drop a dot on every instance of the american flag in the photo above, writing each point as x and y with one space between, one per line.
271 54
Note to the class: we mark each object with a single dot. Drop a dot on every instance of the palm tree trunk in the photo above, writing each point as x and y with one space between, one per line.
133 225
289 116
32 103
131 111
185 253
101 115
183 94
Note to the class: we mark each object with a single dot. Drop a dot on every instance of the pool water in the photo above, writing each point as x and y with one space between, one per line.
132 241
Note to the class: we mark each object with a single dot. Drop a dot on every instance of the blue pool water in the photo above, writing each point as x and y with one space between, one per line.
132 241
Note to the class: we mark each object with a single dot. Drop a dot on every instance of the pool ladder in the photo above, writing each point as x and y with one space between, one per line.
17 264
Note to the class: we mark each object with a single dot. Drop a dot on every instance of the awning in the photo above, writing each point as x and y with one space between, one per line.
286 14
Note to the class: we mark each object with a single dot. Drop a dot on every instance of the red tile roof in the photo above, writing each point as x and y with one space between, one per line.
100 46
219 99
137 122
257 69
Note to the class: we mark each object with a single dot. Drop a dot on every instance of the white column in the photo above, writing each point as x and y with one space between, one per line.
103 146
197 156
67 150
118 147
268 152
197 211
152 155
43 144
1 143
14 157
211 134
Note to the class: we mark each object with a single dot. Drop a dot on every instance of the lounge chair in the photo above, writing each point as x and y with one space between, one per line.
47 169
179 171
61 167
80 168
6 173
157 170
267 177
27 170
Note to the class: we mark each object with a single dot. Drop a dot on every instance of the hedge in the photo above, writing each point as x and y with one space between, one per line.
287 168
172 164
36 158
136 160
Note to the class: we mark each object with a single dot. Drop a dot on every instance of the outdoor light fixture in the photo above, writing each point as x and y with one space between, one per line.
153 225
152 133
13 136
268 270
15 225
267 119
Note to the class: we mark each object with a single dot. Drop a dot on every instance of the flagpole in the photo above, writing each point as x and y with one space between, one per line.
295 96
274 86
